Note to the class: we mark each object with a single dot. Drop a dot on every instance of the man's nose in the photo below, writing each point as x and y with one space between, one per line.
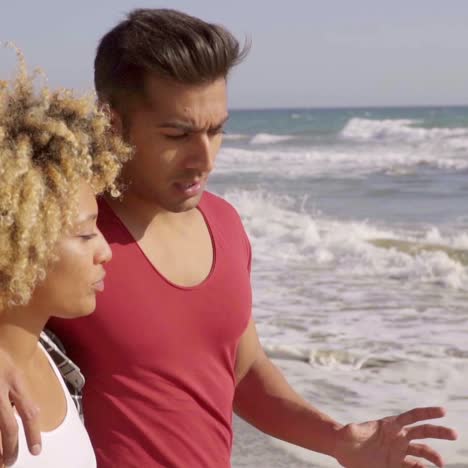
202 153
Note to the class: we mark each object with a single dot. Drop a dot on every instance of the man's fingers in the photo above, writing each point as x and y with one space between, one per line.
424 451
410 463
13 389
420 414
29 414
8 430
429 431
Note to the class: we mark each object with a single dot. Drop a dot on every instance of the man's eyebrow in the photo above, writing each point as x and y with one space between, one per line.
222 122
187 125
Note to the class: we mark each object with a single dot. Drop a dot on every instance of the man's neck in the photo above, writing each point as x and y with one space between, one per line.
143 213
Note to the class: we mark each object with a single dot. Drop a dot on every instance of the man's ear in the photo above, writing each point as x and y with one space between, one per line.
114 116
116 121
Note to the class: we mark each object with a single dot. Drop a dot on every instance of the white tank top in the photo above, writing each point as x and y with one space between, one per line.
66 446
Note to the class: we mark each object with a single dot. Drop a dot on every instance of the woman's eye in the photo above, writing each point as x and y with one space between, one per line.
87 237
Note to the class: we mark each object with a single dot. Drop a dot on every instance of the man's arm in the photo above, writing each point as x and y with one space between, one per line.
267 401
13 390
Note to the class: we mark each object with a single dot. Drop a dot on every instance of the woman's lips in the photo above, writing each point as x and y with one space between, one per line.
99 285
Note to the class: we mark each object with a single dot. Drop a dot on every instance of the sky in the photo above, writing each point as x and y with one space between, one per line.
305 53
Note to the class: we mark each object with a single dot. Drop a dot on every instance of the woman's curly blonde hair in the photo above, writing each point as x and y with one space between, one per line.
50 143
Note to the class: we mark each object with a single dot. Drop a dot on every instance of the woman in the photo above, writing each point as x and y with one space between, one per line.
56 154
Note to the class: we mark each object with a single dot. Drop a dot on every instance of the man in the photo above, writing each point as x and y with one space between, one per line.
172 346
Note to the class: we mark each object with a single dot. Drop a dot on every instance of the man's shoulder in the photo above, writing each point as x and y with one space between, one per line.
221 214
216 203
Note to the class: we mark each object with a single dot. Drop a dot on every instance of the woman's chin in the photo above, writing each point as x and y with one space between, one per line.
82 310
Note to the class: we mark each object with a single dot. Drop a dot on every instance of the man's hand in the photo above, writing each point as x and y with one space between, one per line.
388 442
13 390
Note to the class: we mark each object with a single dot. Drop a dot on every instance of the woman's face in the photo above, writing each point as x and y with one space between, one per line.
70 287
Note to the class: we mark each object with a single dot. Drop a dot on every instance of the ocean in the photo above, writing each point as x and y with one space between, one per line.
358 221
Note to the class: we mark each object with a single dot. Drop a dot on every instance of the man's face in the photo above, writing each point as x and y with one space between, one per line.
177 132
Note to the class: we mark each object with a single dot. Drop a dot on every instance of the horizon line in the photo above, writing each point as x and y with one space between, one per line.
357 107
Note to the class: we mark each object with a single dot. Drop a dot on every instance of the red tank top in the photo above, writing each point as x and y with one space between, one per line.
159 358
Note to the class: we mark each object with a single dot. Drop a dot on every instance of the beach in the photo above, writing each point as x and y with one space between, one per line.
359 230
254 449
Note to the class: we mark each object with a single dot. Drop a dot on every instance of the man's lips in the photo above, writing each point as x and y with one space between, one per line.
190 188
188 185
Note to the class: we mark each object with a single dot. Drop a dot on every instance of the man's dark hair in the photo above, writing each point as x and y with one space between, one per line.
168 43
